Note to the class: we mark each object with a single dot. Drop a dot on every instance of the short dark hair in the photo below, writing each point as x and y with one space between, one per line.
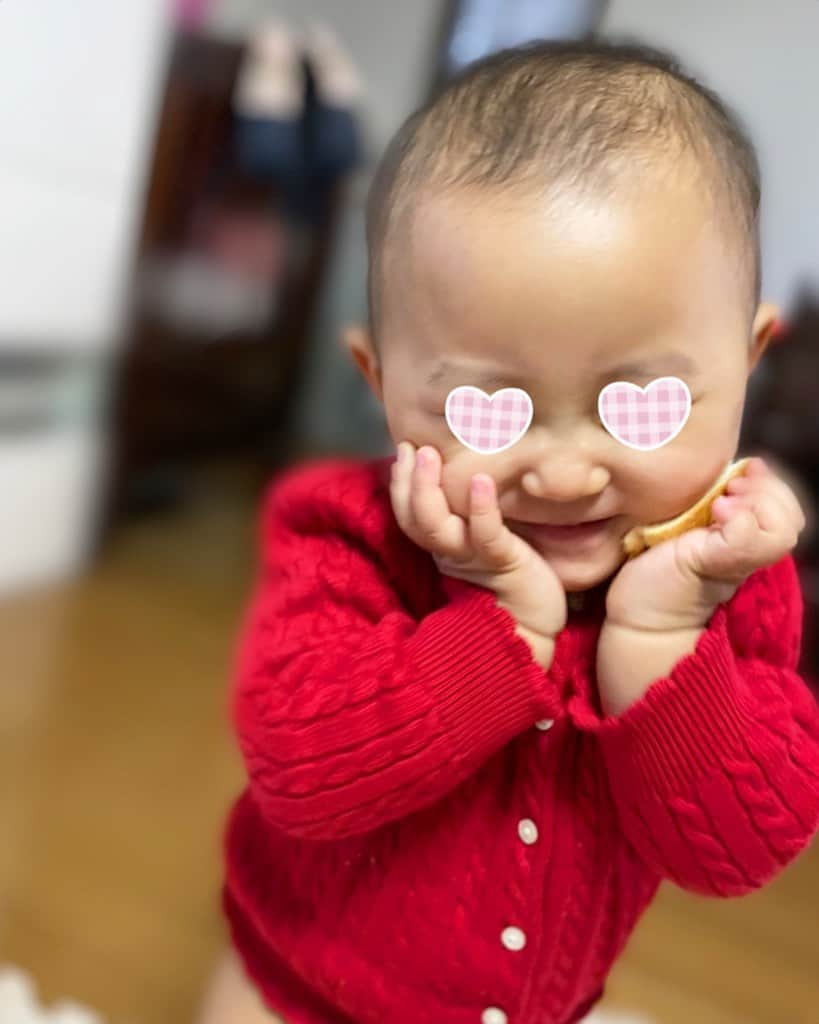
553 113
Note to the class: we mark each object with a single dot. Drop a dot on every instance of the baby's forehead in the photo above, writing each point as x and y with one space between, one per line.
550 119
463 253
520 284
445 225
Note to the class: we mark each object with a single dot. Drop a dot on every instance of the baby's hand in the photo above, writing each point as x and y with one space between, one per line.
483 551
679 583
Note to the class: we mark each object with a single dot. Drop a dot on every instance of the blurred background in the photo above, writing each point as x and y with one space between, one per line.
181 198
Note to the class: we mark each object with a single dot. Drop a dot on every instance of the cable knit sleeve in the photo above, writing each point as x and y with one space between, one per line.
350 711
715 771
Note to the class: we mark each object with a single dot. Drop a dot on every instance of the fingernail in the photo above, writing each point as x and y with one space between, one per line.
480 486
402 453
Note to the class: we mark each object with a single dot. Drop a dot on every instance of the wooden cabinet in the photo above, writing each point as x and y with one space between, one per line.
193 382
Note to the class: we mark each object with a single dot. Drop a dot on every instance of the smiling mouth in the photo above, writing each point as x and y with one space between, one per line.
587 532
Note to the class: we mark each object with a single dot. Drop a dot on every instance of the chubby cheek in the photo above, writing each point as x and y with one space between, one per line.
666 483
663 483
458 469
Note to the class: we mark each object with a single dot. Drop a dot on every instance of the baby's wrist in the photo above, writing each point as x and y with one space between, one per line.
541 646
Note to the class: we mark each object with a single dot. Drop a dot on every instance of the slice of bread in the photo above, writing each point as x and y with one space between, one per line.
642 537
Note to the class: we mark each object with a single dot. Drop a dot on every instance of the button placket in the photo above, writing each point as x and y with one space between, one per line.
512 937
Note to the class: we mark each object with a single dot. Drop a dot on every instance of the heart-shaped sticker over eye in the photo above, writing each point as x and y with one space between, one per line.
645 418
488 425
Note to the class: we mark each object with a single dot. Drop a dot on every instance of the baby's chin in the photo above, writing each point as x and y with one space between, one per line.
578 574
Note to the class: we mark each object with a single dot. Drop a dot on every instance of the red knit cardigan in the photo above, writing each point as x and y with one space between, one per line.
435 830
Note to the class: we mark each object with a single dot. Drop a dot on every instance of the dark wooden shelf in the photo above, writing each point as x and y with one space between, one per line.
183 392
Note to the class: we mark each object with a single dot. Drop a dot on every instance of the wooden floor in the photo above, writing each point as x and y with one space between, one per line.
117 768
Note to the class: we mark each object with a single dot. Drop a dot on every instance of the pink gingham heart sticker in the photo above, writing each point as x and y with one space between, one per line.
488 425
645 418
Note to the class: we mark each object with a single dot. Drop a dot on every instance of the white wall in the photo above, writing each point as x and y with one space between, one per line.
763 58
81 85
77 115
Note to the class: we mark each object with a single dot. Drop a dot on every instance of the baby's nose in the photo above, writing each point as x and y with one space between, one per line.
565 478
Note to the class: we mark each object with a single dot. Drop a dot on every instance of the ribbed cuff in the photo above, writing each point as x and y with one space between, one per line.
480 670
686 723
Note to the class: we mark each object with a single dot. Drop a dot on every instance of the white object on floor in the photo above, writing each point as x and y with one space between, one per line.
616 1017
19 1003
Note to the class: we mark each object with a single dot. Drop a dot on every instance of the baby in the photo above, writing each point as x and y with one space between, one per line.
465 787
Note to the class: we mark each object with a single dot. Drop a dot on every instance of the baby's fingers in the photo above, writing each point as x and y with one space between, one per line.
400 486
493 542
434 526
737 545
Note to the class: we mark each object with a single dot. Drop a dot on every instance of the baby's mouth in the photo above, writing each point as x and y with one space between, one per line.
584 534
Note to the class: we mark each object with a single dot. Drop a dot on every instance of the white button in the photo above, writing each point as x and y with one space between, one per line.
513 938
527 830
492 1015
544 724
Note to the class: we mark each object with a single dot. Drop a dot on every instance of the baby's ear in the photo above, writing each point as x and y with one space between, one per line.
357 339
764 326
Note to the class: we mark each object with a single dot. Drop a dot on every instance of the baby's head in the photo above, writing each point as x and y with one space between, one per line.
560 217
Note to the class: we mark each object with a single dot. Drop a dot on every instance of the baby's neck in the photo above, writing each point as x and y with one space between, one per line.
584 600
